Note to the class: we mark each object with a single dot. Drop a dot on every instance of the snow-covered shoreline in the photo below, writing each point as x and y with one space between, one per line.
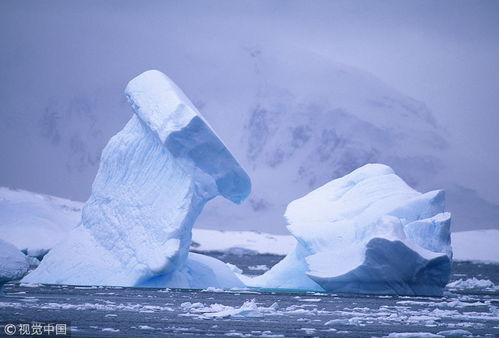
205 240
476 246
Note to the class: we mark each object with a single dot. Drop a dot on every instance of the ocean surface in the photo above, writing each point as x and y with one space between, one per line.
135 312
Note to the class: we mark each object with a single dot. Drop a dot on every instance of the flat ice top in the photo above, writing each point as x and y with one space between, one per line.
161 106
159 103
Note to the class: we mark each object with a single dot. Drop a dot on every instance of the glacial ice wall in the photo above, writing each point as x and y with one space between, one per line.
366 232
154 179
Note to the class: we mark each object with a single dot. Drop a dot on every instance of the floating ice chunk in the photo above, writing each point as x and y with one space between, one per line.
13 263
414 335
366 232
260 267
146 327
473 284
110 329
248 309
455 333
212 289
154 179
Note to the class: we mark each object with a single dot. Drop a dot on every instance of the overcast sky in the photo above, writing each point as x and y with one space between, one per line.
57 54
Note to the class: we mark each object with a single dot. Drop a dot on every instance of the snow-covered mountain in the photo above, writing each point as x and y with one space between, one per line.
293 135
35 222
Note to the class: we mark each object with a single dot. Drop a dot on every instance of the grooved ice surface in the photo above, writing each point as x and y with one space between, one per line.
154 179
366 232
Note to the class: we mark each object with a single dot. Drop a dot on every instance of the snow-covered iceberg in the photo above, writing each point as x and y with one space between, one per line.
13 263
366 232
154 179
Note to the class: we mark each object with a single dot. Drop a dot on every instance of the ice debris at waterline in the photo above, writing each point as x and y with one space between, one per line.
13 263
154 179
366 232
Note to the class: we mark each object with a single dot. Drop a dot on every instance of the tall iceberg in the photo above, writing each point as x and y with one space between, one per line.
154 179
366 232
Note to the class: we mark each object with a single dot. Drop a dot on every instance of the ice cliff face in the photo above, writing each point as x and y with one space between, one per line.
366 232
154 179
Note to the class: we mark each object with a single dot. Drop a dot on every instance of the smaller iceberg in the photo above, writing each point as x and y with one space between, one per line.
154 179
367 232
13 263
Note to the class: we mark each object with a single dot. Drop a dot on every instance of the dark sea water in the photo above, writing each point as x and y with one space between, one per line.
134 312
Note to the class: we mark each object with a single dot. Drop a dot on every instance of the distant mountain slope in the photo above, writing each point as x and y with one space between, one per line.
295 118
303 127
35 222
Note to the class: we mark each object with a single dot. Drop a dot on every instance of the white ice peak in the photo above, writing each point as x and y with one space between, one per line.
154 179
159 103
